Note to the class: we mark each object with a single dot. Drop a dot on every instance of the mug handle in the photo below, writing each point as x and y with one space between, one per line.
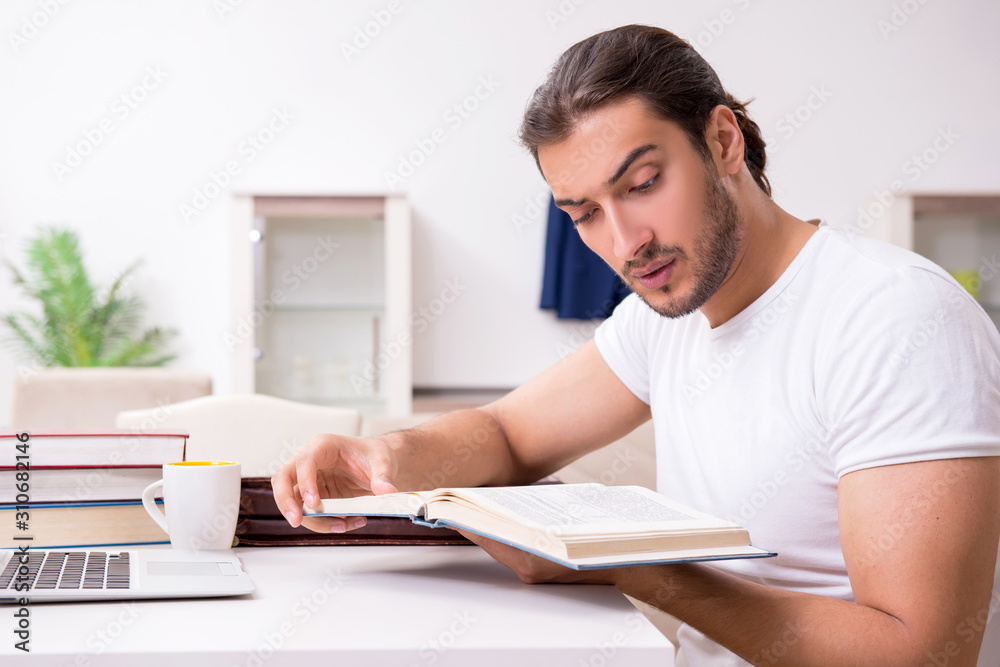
150 505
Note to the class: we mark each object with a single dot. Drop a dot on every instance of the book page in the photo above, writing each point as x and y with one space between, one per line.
575 507
404 503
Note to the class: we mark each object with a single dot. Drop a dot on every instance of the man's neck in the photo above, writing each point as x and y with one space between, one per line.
772 239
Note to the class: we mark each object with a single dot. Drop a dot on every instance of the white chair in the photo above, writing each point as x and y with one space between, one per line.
382 424
630 460
74 399
258 431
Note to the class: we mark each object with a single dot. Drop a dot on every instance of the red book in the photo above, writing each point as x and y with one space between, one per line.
84 467
103 449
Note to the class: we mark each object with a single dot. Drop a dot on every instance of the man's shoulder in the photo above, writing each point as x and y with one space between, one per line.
870 297
852 268
872 257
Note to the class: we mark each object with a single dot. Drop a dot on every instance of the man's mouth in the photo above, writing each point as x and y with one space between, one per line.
656 274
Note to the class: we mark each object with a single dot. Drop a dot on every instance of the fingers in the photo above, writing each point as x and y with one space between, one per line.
295 482
305 473
475 538
286 496
495 549
333 524
332 466
529 568
380 475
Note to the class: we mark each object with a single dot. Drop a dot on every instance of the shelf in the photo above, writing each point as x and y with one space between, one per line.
343 266
960 232
956 204
338 401
331 308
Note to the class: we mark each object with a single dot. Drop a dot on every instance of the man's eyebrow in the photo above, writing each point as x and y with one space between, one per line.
622 168
632 157
568 202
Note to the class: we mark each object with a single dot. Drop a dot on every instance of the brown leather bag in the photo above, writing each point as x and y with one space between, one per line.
261 525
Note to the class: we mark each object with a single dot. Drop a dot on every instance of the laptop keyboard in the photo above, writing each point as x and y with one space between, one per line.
68 570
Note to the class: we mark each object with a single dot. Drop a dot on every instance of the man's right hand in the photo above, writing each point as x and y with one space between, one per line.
333 466
572 408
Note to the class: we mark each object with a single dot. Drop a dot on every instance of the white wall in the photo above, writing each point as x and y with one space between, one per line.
225 72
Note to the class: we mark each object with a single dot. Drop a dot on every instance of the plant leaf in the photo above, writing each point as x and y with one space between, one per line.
78 326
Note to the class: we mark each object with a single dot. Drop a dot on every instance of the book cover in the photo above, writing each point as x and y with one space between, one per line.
96 449
83 484
580 526
65 525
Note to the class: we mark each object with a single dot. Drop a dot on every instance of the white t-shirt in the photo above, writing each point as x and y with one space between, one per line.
862 354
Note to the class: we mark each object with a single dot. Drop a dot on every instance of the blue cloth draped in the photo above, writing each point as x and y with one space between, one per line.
576 282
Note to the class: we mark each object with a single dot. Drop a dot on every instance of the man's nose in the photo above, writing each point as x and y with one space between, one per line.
629 236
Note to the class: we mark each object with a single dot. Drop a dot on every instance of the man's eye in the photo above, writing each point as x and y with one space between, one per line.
585 218
642 187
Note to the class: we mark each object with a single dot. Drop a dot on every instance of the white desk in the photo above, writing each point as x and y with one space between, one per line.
357 607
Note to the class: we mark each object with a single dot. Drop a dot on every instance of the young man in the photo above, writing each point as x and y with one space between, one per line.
837 396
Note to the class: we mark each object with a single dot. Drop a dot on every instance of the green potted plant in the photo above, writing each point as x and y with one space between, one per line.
79 325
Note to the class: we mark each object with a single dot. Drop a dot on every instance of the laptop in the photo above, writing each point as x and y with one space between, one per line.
65 575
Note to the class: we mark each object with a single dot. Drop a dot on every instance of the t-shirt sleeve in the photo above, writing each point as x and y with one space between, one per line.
911 374
622 340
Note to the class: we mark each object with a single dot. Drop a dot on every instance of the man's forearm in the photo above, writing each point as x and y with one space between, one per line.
558 416
462 448
771 626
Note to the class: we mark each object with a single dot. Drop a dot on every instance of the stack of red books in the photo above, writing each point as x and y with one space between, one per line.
81 489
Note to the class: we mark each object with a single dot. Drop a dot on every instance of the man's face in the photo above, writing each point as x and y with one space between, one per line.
646 201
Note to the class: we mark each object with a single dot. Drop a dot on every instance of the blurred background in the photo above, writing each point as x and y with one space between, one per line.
139 124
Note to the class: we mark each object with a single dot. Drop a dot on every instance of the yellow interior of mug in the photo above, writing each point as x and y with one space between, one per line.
202 463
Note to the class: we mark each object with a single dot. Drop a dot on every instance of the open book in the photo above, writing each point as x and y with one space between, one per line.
581 526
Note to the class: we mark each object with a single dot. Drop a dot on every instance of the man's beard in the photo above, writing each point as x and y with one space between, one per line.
715 251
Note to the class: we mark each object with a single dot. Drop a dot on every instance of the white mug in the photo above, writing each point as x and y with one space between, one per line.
202 499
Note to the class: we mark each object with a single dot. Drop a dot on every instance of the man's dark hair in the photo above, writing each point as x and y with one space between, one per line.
644 62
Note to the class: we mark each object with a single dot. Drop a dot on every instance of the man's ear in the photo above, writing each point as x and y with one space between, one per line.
725 140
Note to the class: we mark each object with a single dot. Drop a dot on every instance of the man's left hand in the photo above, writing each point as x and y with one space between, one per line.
532 569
